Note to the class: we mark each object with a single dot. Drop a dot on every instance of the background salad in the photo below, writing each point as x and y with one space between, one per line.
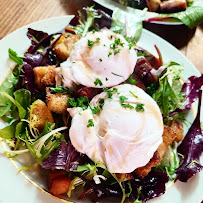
191 17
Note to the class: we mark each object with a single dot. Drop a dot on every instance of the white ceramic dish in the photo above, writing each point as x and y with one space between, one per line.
14 187
112 5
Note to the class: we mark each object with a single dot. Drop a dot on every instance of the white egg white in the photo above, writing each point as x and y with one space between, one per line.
123 139
109 59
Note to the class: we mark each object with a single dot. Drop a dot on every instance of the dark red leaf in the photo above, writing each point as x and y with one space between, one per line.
88 92
191 89
65 157
191 148
143 71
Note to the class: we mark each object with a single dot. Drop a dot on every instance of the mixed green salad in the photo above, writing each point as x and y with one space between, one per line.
188 12
34 105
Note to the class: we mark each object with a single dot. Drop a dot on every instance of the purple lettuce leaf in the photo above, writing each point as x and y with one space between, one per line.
34 35
191 148
65 157
33 59
104 21
41 39
153 185
191 89
38 38
27 75
57 159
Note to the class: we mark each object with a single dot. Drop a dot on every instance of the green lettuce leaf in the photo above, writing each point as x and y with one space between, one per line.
8 87
169 96
8 132
134 26
191 17
21 110
23 97
14 57
86 21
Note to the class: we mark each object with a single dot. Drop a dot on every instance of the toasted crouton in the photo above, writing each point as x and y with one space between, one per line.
44 76
65 45
172 6
172 133
124 176
53 174
58 182
60 185
56 102
40 114
154 4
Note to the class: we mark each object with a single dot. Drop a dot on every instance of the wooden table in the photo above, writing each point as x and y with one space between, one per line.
15 14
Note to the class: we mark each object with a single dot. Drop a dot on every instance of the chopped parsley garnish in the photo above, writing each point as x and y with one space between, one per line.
110 53
139 107
72 102
98 81
131 80
106 79
127 106
139 53
91 43
101 102
118 42
131 41
82 102
130 45
117 75
59 89
95 110
117 51
133 94
100 60
97 40
90 123
122 99
110 92
115 45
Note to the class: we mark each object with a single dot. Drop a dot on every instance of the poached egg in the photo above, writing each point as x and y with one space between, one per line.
121 136
100 59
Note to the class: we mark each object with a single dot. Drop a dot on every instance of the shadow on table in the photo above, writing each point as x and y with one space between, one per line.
178 35
201 26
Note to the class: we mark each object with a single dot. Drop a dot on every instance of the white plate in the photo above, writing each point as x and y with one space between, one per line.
112 5
15 188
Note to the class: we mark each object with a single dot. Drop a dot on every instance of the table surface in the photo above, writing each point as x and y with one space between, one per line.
15 14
